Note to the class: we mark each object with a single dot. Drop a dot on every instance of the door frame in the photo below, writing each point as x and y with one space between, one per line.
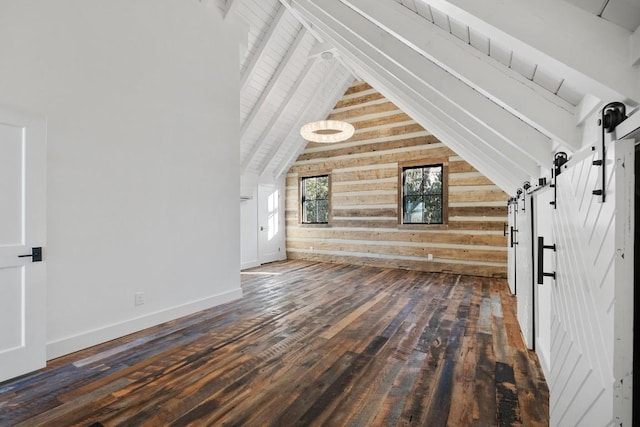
264 255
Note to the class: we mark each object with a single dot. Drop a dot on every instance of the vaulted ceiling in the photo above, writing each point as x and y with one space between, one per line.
504 84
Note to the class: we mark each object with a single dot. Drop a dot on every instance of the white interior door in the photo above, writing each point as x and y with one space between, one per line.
270 228
590 381
512 247
22 227
543 211
524 269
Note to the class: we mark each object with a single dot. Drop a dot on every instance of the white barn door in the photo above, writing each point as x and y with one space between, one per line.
524 269
592 299
511 249
543 212
22 227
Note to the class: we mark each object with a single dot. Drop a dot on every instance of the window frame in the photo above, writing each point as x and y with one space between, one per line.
441 162
301 199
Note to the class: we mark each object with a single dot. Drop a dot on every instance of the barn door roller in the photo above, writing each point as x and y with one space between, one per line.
525 188
559 159
613 114
513 201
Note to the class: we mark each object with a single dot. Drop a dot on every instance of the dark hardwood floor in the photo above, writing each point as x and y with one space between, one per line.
310 344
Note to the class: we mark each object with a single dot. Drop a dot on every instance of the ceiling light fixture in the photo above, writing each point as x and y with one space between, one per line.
327 131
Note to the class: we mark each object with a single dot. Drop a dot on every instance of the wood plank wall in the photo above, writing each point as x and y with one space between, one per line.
364 227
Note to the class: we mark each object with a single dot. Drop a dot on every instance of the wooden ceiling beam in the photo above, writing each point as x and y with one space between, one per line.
314 33
292 93
491 123
592 53
275 78
262 48
503 172
409 80
520 96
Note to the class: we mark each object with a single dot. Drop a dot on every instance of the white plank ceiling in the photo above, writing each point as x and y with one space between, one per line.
284 84
503 84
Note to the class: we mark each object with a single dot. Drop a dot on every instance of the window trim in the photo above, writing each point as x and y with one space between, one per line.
301 178
439 161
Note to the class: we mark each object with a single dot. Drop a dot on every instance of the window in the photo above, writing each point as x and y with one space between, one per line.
423 194
315 199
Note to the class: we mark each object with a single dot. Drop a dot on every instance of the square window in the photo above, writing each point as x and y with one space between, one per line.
423 194
315 199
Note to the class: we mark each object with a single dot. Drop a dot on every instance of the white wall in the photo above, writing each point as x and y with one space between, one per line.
141 99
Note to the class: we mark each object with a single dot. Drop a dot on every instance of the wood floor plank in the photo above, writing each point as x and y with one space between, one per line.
438 411
308 344
370 393
398 377
461 410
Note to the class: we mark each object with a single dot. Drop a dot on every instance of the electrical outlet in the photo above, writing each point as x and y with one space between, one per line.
139 298
430 257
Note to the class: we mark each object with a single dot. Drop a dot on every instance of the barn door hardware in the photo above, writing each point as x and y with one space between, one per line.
513 201
613 114
559 159
512 236
541 248
523 192
517 199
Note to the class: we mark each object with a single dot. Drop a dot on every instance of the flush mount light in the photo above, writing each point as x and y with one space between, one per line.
327 131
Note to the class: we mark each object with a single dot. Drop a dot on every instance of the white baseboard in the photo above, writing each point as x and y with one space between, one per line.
249 264
93 337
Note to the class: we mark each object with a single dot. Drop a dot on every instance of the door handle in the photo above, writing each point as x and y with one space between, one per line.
541 248
261 228
36 255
